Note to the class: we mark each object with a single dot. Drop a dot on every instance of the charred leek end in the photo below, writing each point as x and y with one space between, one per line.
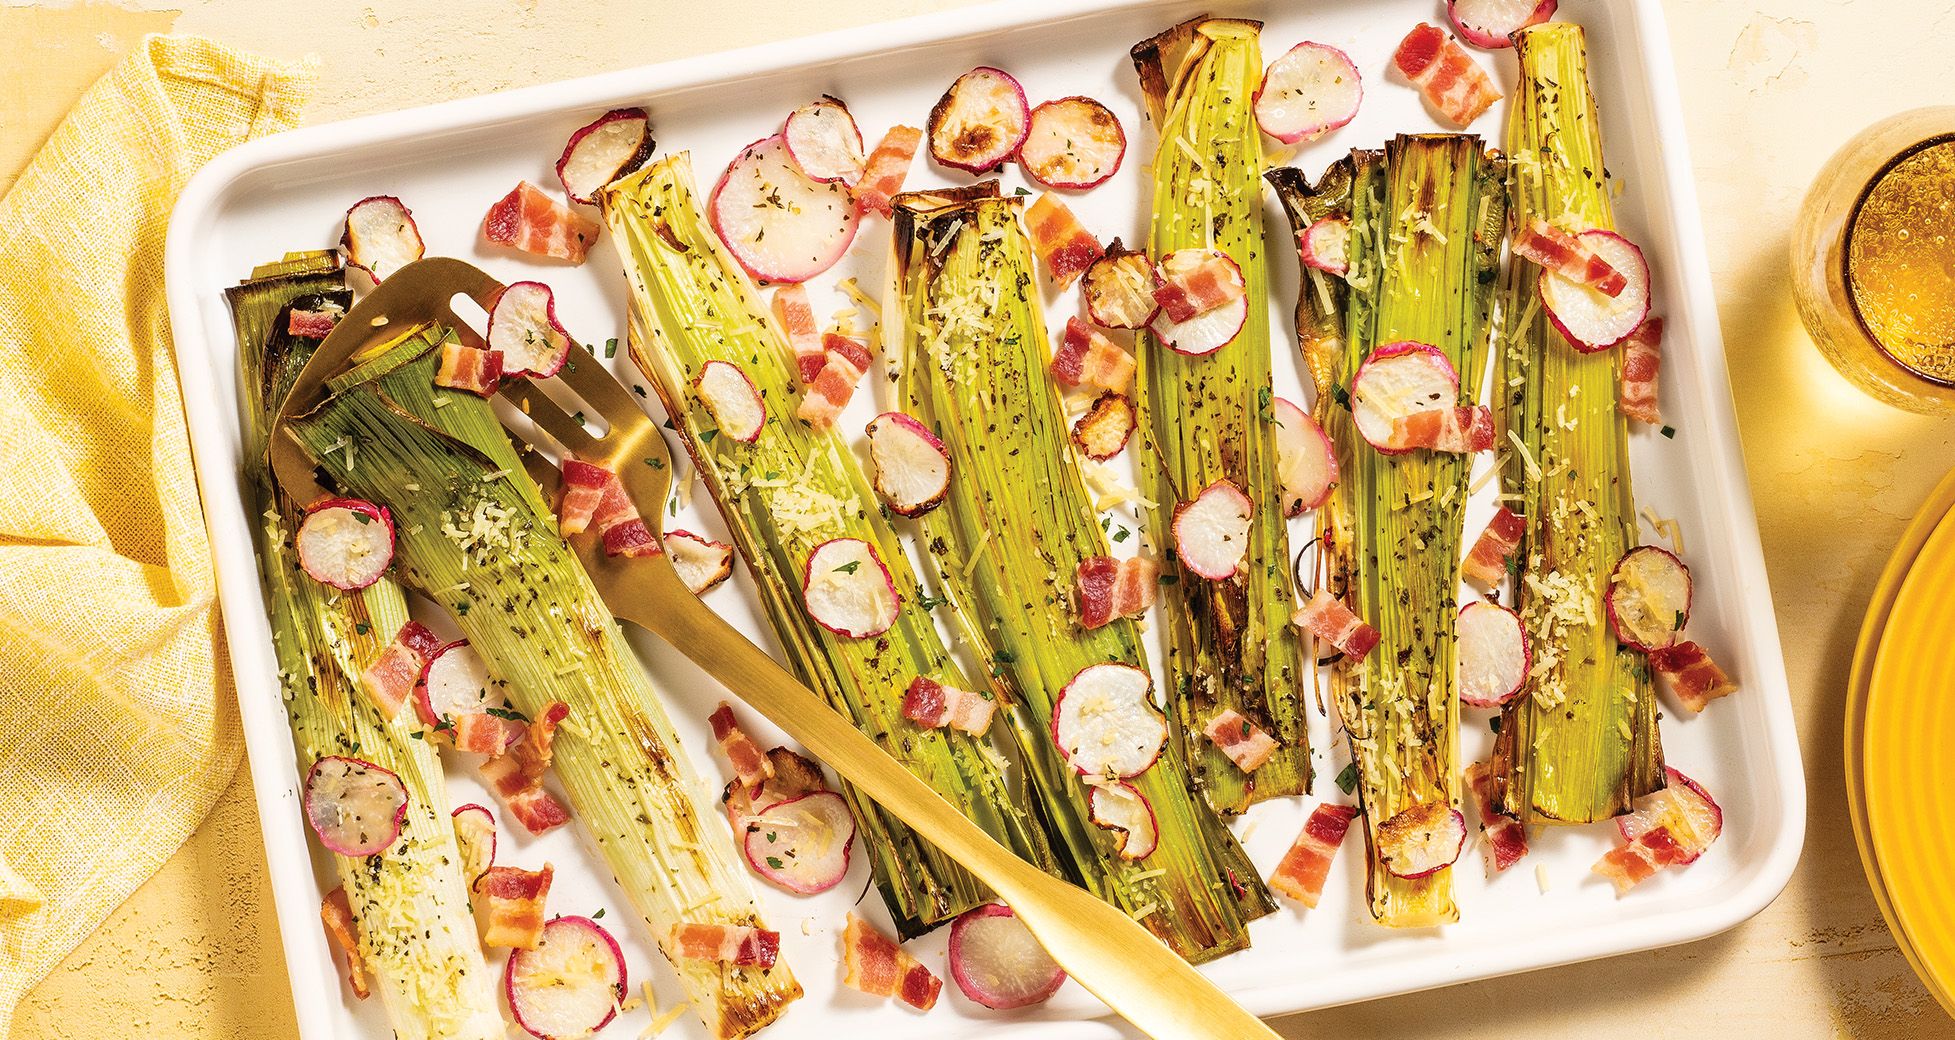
1425 218
1582 745
478 539
1320 295
1202 419
785 493
410 902
969 338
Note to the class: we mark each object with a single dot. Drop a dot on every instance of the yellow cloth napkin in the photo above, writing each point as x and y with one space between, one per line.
117 725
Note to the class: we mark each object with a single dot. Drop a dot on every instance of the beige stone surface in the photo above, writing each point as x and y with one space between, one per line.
1771 89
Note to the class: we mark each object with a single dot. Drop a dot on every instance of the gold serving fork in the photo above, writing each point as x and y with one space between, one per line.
1097 944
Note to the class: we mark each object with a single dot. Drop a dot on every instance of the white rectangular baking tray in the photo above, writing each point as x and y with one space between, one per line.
449 161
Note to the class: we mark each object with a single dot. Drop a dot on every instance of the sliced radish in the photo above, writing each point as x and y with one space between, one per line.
523 326
346 542
1102 432
1204 287
1306 462
1105 722
780 225
1211 533
980 121
1326 245
354 806
1311 90
1120 807
1073 142
912 465
1493 23
701 562
997 961
569 986
825 143
475 833
1691 814
732 400
611 146
1648 598
802 844
1590 319
1494 656
381 236
847 589
455 684
1421 840
1119 289
1399 380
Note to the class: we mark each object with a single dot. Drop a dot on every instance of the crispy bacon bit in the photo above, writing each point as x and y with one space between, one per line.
1327 618
1493 552
583 489
886 168
1448 77
1693 676
1242 740
739 945
1504 838
1110 588
932 705
509 906
1564 254
1087 358
336 913
467 368
1642 356
533 222
1461 431
631 538
1301 873
617 521
1064 245
844 363
480 733
313 324
1194 289
1627 866
517 775
797 317
390 679
873 964
750 765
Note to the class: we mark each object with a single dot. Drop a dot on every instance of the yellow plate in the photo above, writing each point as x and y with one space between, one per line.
1900 743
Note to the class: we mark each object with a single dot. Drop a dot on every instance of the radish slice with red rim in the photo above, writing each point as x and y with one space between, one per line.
523 326
1589 319
475 835
1492 23
1396 381
456 683
1119 289
354 806
345 542
1648 598
1311 90
1306 462
1073 142
1105 722
801 844
603 150
997 962
1421 840
1102 432
1692 815
1494 656
912 465
569 986
1211 533
381 236
848 591
781 226
1203 302
980 121
701 562
1120 807
732 400
825 143
1326 245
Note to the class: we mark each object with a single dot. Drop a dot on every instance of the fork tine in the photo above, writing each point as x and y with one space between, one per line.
551 418
593 382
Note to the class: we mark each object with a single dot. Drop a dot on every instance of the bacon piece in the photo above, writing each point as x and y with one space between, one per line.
467 368
313 324
883 175
1629 865
517 775
1191 290
1327 618
932 705
1063 244
1301 873
739 945
533 222
1642 356
617 521
336 913
389 681
844 363
480 733
1564 254
1242 740
1448 77
797 317
1087 358
1110 588
583 489
1493 551
750 765
1461 431
509 906
1693 676
1505 837
872 963
631 538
